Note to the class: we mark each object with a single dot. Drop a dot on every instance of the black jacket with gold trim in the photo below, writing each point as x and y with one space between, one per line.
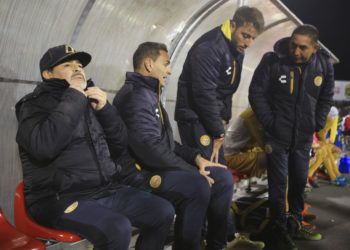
68 150
150 135
211 75
292 101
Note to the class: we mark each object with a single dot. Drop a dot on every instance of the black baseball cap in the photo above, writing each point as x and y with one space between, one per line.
60 54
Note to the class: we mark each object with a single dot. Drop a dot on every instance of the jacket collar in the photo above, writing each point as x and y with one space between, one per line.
54 84
226 32
145 81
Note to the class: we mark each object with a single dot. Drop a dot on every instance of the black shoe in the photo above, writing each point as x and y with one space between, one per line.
293 225
282 241
275 238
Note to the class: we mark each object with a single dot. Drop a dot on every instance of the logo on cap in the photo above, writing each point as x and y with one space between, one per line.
68 49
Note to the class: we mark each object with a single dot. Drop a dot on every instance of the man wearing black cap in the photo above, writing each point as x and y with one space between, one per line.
72 145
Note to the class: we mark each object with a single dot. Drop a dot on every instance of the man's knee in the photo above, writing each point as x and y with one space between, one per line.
190 186
221 177
162 214
113 231
200 188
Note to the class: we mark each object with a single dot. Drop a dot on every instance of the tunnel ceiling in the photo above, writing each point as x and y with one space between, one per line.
111 30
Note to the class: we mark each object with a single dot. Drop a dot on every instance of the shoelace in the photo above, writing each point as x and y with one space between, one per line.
305 230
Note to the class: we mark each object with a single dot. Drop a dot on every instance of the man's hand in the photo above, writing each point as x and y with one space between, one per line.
202 163
216 148
206 176
97 96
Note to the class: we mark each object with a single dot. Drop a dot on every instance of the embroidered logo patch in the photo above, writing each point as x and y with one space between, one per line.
283 79
157 113
204 140
155 181
268 149
71 207
318 81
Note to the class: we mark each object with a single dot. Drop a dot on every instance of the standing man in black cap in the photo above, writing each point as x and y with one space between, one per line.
72 143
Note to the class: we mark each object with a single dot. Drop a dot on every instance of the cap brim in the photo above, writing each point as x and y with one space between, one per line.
83 57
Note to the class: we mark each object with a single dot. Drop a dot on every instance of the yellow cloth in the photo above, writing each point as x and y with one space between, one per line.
331 127
326 155
226 29
253 126
251 160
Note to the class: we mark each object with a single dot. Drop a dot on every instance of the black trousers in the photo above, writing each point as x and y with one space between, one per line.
287 171
194 201
107 222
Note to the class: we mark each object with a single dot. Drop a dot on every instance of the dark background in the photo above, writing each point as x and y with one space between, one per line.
332 18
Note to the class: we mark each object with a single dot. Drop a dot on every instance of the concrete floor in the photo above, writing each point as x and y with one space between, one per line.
331 205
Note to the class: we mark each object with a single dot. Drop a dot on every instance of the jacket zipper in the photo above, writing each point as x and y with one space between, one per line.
295 134
89 138
234 72
159 107
291 82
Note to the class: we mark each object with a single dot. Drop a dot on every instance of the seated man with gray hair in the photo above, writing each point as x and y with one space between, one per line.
72 145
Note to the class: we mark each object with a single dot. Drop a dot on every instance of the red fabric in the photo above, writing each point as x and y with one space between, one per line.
347 124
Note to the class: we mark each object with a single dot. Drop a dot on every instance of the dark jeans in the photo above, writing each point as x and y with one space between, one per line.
191 135
193 199
287 174
107 222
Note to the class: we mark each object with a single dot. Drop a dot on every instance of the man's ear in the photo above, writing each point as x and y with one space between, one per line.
317 46
148 63
233 26
46 74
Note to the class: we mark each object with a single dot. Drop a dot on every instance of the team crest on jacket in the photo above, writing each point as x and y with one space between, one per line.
204 140
155 181
71 207
318 81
